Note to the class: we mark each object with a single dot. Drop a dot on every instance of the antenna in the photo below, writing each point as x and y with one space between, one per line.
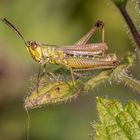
10 25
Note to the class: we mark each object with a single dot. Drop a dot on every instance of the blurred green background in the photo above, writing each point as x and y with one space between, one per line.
56 22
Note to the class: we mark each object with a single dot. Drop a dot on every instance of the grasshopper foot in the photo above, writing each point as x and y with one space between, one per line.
99 24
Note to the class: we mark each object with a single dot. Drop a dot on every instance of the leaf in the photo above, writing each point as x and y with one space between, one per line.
58 90
117 121
95 81
49 92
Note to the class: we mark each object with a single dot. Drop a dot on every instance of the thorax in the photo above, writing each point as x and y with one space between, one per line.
53 55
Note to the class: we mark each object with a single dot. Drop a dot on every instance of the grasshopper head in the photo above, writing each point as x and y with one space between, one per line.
34 49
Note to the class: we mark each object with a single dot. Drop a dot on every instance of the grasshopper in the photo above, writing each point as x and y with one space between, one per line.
78 57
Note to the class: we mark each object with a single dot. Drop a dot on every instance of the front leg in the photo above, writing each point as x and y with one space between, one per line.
38 77
40 74
44 70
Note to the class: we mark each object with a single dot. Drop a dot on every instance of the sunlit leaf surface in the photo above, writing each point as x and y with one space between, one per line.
117 121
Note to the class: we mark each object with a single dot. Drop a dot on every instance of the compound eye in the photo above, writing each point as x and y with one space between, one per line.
33 45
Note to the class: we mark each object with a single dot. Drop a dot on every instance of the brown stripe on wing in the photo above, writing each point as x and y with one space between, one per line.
88 49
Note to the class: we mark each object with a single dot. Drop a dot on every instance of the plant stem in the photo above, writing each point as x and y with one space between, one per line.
131 25
129 81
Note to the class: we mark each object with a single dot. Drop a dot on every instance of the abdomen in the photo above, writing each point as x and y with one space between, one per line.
91 63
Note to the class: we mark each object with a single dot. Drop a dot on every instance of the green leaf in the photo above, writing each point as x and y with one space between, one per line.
117 121
50 91
95 81
120 3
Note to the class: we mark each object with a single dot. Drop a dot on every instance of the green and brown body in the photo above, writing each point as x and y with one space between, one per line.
78 61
